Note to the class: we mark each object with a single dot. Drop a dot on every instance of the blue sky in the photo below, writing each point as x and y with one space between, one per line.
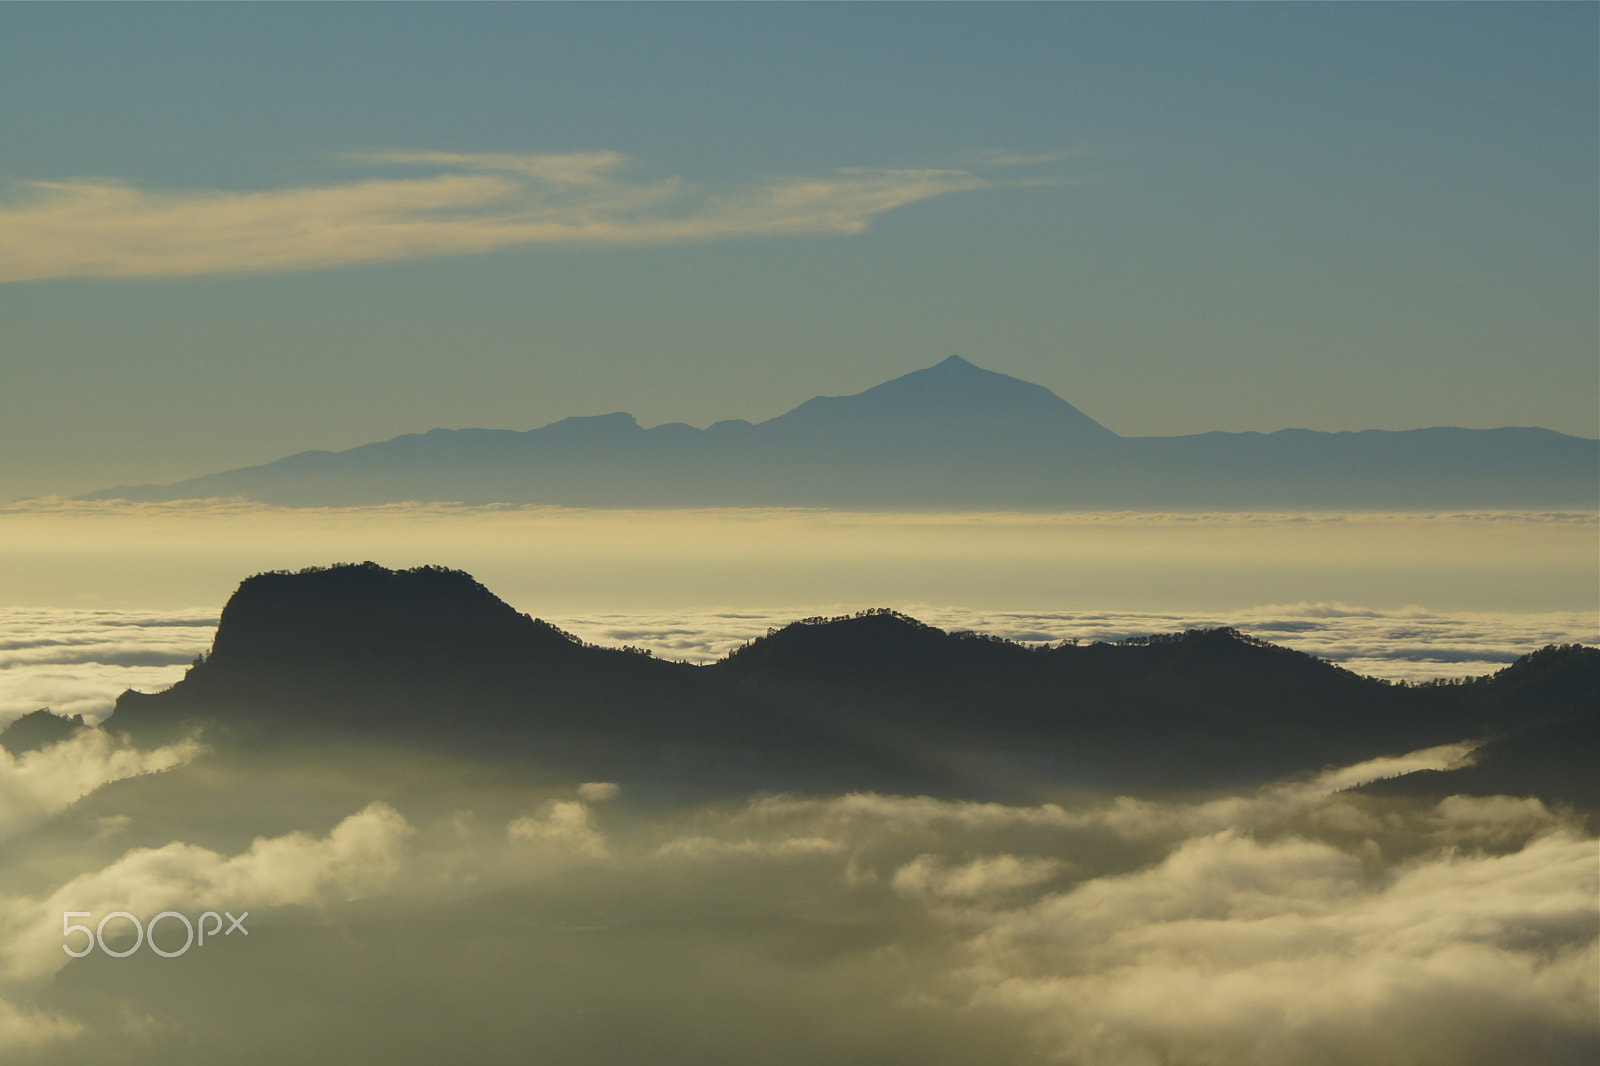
232 232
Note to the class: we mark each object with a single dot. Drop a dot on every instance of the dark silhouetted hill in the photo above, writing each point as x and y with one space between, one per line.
950 436
1541 718
875 700
39 729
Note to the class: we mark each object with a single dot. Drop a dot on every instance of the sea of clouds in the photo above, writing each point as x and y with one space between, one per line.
1295 924
1411 644
1299 924
77 661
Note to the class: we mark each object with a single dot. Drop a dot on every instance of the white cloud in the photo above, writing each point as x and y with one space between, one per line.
77 661
37 784
1292 925
565 824
1235 950
358 856
930 875
472 203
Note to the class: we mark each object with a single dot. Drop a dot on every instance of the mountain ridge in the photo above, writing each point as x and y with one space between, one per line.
870 700
952 435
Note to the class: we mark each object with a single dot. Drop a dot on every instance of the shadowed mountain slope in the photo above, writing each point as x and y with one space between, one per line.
38 729
875 700
950 436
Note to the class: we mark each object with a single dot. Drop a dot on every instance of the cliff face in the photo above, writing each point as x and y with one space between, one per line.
872 700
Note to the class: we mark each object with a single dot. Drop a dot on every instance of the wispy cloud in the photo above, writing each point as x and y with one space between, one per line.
466 203
999 157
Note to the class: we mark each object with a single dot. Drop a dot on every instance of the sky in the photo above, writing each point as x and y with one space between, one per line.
229 233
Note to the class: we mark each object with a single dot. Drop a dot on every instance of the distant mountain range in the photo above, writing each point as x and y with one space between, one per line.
953 436
368 656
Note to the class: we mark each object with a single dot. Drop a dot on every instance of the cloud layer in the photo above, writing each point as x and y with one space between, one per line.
1296 924
462 204
79 661
1237 950
1411 644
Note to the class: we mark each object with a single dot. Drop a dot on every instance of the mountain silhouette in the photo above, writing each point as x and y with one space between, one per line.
951 436
39 729
874 700
952 401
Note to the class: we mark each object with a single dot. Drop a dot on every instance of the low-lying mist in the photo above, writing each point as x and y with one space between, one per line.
404 906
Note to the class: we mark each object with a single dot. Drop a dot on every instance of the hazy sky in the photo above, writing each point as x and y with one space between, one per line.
232 232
